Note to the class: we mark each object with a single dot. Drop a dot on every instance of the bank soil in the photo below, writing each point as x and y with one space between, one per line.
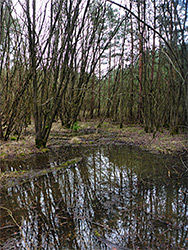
88 134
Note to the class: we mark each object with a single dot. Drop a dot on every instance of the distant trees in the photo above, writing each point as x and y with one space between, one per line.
13 76
69 59
161 39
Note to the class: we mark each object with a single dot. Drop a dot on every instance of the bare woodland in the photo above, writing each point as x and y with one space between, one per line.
77 59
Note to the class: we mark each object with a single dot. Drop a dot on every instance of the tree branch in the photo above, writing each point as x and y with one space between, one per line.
154 30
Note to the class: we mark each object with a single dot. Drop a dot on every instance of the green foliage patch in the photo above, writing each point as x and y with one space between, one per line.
76 127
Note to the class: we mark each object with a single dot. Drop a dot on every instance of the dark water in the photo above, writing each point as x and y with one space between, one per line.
115 198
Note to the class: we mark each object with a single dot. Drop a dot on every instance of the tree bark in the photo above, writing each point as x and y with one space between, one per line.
132 69
140 63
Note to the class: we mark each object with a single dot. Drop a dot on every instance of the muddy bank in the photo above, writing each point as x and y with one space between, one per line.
88 134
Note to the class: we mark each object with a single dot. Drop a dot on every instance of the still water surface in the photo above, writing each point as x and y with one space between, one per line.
115 198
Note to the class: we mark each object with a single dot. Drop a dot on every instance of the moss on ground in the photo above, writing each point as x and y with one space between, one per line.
9 178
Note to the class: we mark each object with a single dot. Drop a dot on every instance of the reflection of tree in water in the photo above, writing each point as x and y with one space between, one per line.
158 208
113 195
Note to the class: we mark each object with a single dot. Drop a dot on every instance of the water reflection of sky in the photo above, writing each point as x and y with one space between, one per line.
114 197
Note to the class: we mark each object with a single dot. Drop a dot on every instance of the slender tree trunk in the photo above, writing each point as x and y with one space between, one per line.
140 64
37 113
171 74
109 82
151 117
1 129
1 36
92 96
1 20
121 91
92 89
99 103
185 104
132 69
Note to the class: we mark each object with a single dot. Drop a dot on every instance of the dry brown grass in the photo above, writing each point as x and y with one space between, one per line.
89 134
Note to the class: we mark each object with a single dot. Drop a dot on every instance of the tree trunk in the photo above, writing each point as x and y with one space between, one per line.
99 103
140 63
109 82
1 129
151 116
132 69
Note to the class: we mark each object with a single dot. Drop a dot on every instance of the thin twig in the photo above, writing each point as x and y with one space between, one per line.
12 217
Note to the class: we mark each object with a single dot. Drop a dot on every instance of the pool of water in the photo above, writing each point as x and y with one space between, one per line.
115 198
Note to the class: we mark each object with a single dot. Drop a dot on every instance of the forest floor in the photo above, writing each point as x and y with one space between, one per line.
88 134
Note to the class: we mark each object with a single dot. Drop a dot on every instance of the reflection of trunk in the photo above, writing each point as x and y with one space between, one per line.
39 221
94 172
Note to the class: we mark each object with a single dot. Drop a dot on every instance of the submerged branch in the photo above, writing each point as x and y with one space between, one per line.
16 223
13 178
